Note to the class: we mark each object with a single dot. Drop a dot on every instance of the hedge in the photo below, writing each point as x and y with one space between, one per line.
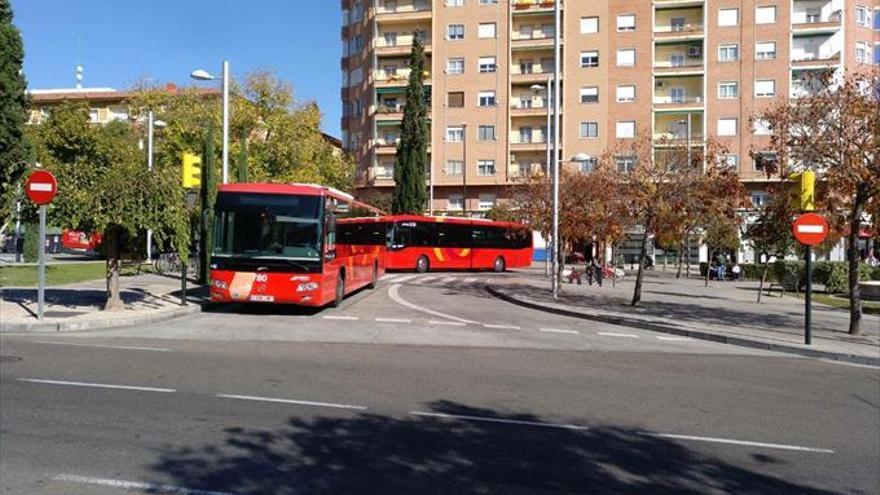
834 275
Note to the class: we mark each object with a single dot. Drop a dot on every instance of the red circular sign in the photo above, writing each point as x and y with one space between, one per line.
810 229
41 187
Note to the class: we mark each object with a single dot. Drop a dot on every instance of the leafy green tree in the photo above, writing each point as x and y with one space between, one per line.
13 110
770 235
104 186
241 163
208 196
412 151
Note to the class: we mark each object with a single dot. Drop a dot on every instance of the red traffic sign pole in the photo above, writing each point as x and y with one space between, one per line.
41 188
809 229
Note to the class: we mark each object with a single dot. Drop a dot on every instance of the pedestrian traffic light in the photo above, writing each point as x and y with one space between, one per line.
192 170
805 183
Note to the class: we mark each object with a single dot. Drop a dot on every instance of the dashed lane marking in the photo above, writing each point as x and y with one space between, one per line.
730 441
102 346
559 330
393 320
447 280
425 280
388 278
97 385
470 280
675 339
446 323
624 335
339 317
498 420
134 485
503 327
405 278
292 401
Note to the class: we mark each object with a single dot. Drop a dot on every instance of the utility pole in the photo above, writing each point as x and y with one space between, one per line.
464 166
557 64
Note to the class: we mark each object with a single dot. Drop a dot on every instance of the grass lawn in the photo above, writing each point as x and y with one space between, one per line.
868 307
68 273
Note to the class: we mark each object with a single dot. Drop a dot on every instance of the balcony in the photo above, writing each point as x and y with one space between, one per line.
678 31
394 12
522 7
537 74
520 110
535 142
389 112
400 45
385 146
689 66
667 102
671 129
678 23
817 51
536 40
398 78
381 175
807 83
814 17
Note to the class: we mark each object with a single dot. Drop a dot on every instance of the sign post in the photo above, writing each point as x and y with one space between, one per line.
809 229
41 187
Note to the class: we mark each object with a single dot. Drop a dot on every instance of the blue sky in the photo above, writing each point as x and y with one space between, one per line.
121 41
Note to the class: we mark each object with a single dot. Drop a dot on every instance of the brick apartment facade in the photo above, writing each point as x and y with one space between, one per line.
628 67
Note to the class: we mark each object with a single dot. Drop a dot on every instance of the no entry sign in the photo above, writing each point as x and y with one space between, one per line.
41 187
810 229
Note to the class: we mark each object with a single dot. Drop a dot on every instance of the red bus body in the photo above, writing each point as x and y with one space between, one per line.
450 243
305 257
80 241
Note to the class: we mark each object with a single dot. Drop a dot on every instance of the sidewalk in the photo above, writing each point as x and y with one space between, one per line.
148 299
722 312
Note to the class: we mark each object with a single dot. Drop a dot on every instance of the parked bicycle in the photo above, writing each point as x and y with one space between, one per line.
167 263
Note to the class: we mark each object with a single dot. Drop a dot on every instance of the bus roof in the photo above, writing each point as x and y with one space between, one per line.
300 189
454 220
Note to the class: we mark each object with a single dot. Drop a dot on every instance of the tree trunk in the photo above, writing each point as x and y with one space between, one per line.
763 279
855 297
614 267
708 264
637 292
687 255
680 261
111 243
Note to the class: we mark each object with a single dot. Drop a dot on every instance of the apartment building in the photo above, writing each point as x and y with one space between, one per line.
679 68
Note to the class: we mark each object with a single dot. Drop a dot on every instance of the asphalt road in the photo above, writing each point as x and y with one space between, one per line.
424 386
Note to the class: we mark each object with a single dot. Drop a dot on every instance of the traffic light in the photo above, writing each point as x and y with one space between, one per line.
805 182
192 170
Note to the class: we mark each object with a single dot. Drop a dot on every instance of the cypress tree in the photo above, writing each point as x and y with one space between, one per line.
412 151
241 164
208 196
13 109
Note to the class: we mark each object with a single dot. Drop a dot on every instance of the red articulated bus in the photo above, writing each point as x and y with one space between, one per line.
280 243
423 243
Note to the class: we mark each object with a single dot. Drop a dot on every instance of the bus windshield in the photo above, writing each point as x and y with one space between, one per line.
268 226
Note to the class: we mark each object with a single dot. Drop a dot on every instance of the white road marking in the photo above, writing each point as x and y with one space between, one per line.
426 279
625 335
559 330
405 278
336 317
394 294
102 346
675 339
498 420
135 485
393 320
470 280
291 401
448 323
97 385
739 442
388 278
508 327
447 280
845 363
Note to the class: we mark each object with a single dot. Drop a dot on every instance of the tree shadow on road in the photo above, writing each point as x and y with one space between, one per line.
377 454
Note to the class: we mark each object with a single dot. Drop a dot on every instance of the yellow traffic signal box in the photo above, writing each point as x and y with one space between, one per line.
806 187
192 170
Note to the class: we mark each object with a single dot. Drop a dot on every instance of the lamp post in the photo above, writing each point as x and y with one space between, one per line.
464 169
203 75
545 90
557 64
151 123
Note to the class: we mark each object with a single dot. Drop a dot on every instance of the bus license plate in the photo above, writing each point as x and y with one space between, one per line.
262 298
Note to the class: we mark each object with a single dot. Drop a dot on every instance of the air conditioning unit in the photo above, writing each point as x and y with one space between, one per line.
695 51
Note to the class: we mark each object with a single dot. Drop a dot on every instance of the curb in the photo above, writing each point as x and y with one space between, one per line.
98 324
695 334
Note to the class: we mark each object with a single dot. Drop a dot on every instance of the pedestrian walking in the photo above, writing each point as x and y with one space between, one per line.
596 266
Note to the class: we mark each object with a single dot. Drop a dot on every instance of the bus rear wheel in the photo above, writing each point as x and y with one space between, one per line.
422 264
340 290
499 265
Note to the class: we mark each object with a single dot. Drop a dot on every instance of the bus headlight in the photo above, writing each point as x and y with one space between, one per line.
307 286
219 284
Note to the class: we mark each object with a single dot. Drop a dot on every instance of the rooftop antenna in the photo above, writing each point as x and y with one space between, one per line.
79 77
79 67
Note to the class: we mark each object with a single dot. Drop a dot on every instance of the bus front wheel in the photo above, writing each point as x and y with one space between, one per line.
422 264
499 265
340 290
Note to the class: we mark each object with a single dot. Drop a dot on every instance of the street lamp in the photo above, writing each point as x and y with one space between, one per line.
464 165
203 75
557 66
545 90
151 123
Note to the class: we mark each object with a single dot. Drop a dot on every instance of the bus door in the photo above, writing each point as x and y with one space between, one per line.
453 247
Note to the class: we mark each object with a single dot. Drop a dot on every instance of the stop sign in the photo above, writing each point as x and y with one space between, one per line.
41 187
810 229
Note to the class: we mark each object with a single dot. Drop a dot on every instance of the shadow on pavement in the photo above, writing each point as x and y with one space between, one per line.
72 298
376 454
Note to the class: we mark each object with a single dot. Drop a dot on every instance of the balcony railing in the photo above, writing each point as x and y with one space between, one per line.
521 5
677 100
682 29
406 8
687 63
534 139
389 109
399 42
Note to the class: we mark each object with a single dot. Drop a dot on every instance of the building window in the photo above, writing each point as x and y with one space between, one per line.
455 3
625 164
486 133
526 66
93 116
765 14
676 95
453 167
488 2
862 52
589 25
390 38
590 59
485 167
727 126
455 66
486 99
455 99
765 50
728 90
525 134
762 127
765 88
455 32
626 57
626 22
728 17
590 94
589 130
587 166
626 129
486 30
759 199
455 134
765 160
455 202
729 161
487 64
862 16
728 53
626 94
487 201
